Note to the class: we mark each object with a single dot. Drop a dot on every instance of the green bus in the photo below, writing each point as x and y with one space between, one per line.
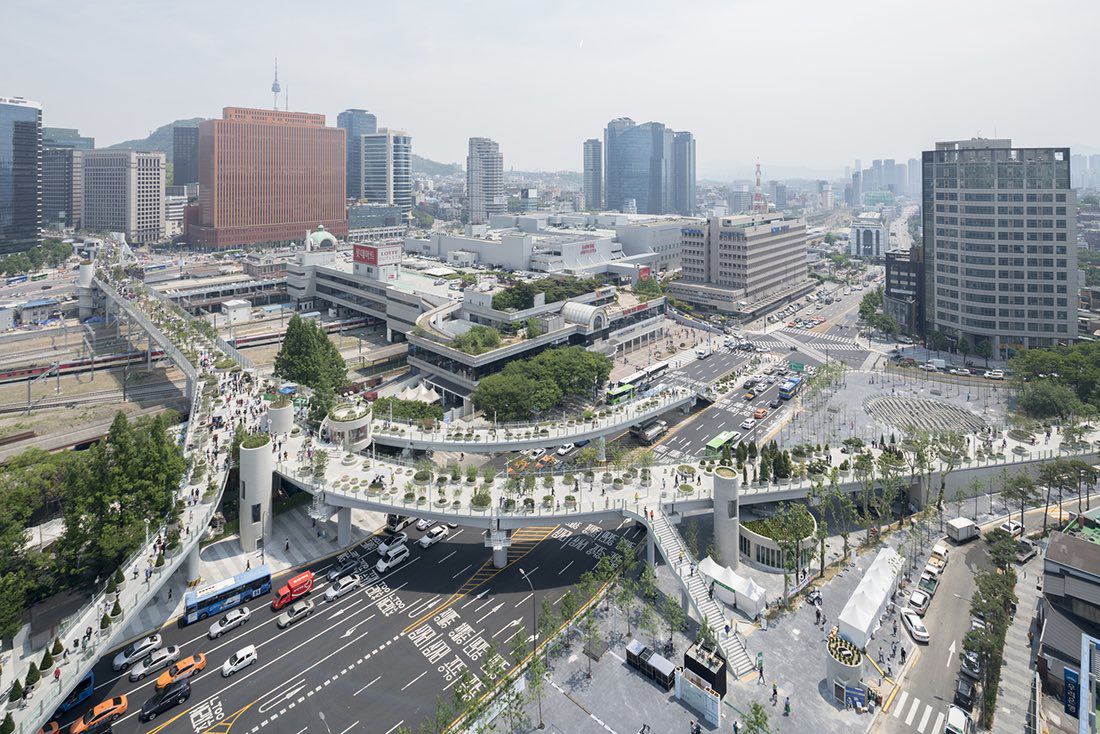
39 276
721 441
620 394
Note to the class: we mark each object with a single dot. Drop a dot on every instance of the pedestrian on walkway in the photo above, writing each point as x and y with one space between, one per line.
760 678
57 675
787 707
286 543
169 593
775 694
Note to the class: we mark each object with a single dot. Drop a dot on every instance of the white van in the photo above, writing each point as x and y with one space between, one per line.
702 352
392 558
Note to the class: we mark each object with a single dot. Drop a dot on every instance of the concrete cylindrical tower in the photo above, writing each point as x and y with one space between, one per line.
257 465
280 420
727 514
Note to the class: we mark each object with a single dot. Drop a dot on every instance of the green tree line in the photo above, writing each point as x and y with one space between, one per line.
521 295
1058 382
541 382
51 252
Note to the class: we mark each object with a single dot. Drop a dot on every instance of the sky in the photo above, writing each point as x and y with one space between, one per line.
803 86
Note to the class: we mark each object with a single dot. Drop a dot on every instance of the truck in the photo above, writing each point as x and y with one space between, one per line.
928 583
296 588
940 551
962 530
649 432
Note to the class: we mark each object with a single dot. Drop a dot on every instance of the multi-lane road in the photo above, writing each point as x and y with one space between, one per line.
379 658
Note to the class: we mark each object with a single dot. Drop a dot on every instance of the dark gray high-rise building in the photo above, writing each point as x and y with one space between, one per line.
62 187
20 174
185 155
65 137
355 124
593 174
857 188
638 166
683 173
999 244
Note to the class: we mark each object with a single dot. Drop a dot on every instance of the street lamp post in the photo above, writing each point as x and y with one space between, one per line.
534 631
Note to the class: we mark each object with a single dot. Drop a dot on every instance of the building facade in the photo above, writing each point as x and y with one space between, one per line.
185 155
868 236
734 260
62 187
683 173
355 123
20 177
593 174
66 137
999 244
484 181
124 192
638 167
267 176
374 222
901 298
386 157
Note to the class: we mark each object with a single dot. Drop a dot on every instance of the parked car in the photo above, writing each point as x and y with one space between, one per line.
433 536
423 524
101 715
964 693
182 669
239 660
918 602
298 611
136 651
971 665
1012 527
392 542
154 661
343 586
913 623
235 618
563 450
165 699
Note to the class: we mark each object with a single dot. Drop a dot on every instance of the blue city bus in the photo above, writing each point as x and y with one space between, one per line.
226 594
83 689
17 279
790 388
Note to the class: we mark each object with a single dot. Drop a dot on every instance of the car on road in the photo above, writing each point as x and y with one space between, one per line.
1025 551
394 540
748 423
165 699
750 395
563 450
298 611
994 375
583 442
239 660
918 602
433 536
348 566
136 651
1012 527
536 453
154 661
761 348
395 557
182 669
971 664
423 524
235 618
964 693
343 586
760 413
774 404
79 694
101 715
958 722
913 623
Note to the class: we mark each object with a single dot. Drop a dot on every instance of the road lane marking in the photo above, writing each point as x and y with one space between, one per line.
367 686
901 704
491 612
462 571
565 568
516 605
924 719
447 556
503 629
345 731
395 726
938 726
912 711
559 598
414 680
487 603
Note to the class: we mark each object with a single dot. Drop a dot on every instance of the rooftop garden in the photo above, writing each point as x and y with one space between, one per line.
521 295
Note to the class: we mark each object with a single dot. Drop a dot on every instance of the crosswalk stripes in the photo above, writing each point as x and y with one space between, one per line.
910 714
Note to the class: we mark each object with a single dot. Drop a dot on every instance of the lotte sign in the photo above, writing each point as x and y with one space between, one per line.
378 254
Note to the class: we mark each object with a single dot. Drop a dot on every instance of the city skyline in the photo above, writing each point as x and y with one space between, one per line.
784 132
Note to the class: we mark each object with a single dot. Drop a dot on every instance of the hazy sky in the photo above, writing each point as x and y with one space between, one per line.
799 84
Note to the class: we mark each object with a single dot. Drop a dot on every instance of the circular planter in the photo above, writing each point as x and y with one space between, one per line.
441 502
421 500
686 489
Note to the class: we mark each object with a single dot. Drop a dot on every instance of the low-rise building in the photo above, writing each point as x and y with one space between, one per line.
901 298
375 222
237 311
1070 605
869 236
38 310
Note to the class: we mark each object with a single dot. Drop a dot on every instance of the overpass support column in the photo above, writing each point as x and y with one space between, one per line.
727 528
256 467
193 575
343 527
499 541
650 548
601 449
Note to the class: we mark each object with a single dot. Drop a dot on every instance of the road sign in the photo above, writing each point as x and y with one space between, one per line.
759 660
1071 699
797 366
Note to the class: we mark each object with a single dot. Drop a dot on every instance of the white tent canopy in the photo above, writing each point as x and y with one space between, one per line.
421 393
860 617
733 589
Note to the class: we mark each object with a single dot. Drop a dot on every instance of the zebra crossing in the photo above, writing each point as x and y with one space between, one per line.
907 708
818 340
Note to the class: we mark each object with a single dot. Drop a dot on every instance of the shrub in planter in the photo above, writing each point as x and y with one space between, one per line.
15 695
33 676
410 496
421 477
686 488
529 503
120 580
456 505
547 499
456 472
568 477
58 648
105 622
618 483
421 500
570 499
589 476
47 661
509 504
173 539
116 610
481 500
160 560
606 478
112 586
686 469
471 474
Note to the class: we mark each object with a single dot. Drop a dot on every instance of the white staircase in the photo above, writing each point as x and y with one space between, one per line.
671 545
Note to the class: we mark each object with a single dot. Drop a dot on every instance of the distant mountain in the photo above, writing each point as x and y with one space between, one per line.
160 140
434 168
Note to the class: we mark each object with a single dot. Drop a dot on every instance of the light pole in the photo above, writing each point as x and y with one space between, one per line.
534 632
322 715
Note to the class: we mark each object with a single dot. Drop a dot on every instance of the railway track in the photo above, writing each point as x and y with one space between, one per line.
143 392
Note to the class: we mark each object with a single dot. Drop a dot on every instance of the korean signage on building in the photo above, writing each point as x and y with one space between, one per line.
378 254
588 248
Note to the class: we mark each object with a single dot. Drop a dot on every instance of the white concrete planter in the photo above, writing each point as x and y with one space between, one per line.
280 420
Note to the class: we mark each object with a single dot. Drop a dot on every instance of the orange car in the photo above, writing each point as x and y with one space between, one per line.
106 711
181 670
50 728
760 413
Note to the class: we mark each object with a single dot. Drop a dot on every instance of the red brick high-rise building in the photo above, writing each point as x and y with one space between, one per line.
268 176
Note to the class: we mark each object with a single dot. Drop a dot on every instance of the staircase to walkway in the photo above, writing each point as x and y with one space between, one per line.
671 545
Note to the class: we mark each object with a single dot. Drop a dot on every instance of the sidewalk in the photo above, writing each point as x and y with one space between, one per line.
1018 670
225 558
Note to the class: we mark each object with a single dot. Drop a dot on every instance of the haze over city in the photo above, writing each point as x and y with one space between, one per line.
804 86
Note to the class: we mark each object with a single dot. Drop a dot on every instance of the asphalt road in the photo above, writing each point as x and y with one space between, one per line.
379 657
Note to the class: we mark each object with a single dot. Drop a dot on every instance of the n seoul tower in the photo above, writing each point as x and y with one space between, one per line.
275 88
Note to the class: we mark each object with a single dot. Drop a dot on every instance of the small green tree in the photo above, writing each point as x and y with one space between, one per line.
33 676
8 727
47 661
16 693
673 615
648 623
755 720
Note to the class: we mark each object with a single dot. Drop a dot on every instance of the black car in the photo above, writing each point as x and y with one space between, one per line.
164 699
349 566
964 693
774 403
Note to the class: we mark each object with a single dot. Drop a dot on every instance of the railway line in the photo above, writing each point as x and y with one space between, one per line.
143 392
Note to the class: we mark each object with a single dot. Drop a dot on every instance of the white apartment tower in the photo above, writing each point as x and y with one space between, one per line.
124 192
484 181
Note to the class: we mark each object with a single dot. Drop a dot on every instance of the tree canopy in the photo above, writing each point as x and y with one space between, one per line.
541 382
1041 375
51 252
478 340
409 410
308 356
521 295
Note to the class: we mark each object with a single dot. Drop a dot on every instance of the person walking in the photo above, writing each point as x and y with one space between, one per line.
760 677
787 706
775 694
